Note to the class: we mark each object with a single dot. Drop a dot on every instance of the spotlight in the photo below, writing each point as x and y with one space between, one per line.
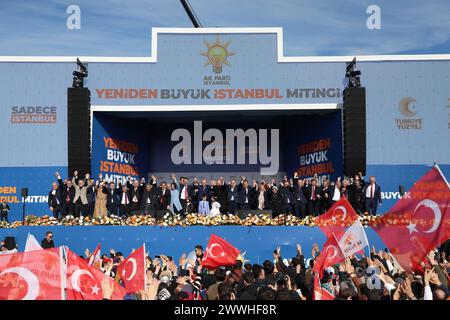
352 74
79 75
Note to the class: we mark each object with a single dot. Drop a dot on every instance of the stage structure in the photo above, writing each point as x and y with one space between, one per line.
195 104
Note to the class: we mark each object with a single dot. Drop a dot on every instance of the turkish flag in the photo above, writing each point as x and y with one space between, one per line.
330 255
418 222
337 218
33 275
85 282
219 253
132 271
320 293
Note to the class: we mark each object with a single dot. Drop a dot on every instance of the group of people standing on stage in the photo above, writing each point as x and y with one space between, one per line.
82 197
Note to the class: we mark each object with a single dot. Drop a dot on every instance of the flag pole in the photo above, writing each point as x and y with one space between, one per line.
435 165
62 273
145 269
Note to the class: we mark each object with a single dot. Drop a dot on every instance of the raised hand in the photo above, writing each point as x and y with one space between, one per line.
152 289
182 260
107 288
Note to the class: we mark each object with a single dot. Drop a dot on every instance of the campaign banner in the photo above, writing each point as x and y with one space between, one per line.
314 146
119 150
38 180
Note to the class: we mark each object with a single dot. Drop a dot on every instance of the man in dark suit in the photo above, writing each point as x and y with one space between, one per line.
55 199
112 198
124 207
300 199
372 194
356 196
287 197
135 194
326 194
149 200
204 189
68 194
90 196
232 197
4 210
163 195
186 191
313 196
244 199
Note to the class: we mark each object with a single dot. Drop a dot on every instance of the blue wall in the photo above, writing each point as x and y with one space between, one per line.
257 242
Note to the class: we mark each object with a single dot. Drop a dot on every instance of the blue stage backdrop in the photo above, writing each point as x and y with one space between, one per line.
258 243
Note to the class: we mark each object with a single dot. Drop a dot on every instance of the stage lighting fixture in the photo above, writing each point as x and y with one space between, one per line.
79 75
352 74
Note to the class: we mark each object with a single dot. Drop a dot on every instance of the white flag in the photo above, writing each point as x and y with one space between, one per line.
354 239
32 244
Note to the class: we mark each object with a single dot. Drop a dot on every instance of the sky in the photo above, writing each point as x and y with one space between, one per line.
311 27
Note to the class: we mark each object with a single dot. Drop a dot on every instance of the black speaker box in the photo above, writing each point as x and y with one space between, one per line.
354 130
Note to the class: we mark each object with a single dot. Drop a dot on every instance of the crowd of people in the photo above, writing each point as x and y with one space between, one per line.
279 278
85 197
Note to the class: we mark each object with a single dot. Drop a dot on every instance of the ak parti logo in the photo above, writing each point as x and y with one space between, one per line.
407 107
217 54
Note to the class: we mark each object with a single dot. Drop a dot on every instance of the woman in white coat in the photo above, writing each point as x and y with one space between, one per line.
175 204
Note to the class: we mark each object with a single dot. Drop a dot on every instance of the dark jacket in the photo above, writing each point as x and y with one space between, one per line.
163 200
248 293
286 195
70 191
376 194
206 190
299 194
221 194
308 192
90 194
276 204
113 197
243 193
47 244
152 195
55 199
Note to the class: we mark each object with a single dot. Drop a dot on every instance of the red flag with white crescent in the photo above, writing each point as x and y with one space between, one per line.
85 282
33 275
330 255
337 218
132 271
418 222
219 253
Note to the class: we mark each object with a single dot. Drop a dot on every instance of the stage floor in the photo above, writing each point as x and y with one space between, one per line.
257 242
